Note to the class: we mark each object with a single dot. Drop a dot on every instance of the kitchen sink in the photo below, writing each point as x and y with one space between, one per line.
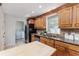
53 35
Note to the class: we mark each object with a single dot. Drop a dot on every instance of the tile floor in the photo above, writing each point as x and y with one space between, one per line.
20 42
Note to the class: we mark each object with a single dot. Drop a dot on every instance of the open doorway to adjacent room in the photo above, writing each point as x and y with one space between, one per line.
20 33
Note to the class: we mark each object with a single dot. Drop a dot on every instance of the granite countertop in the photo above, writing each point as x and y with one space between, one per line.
31 49
75 42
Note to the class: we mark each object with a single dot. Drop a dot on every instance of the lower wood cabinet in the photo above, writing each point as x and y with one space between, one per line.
60 43
33 38
66 49
50 42
73 53
47 41
59 53
43 40
62 48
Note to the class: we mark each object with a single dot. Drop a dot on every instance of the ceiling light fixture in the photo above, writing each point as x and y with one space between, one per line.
33 12
40 6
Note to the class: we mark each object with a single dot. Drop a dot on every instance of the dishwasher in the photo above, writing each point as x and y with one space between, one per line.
37 38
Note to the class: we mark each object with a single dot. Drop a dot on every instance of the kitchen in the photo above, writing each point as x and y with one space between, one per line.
58 28
53 33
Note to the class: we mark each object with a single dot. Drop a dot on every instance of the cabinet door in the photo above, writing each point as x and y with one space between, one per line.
43 40
40 23
33 38
37 23
59 53
65 17
73 53
61 48
76 15
50 42
61 43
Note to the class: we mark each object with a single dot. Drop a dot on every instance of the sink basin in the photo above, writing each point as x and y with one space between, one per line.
53 35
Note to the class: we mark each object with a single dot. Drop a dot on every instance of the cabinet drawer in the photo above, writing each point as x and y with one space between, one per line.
61 43
73 47
73 53
43 40
69 46
59 48
50 42
59 53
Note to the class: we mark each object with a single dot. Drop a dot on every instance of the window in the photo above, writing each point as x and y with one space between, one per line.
52 24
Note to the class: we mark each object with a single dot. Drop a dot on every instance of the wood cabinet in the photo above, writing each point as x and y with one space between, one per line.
62 48
73 47
65 49
40 23
73 52
43 40
65 17
37 23
50 42
47 41
69 17
33 38
59 53
76 15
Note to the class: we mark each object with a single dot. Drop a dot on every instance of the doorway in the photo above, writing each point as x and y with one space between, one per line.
20 33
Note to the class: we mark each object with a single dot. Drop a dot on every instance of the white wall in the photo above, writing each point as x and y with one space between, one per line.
2 29
19 25
20 30
7 29
10 30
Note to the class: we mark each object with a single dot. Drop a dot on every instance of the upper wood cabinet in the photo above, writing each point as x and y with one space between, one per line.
69 17
65 17
76 15
40 23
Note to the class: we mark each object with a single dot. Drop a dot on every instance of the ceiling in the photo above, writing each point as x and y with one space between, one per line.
28 9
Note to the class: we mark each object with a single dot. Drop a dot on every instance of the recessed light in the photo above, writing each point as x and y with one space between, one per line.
40 6
33 12
27 15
